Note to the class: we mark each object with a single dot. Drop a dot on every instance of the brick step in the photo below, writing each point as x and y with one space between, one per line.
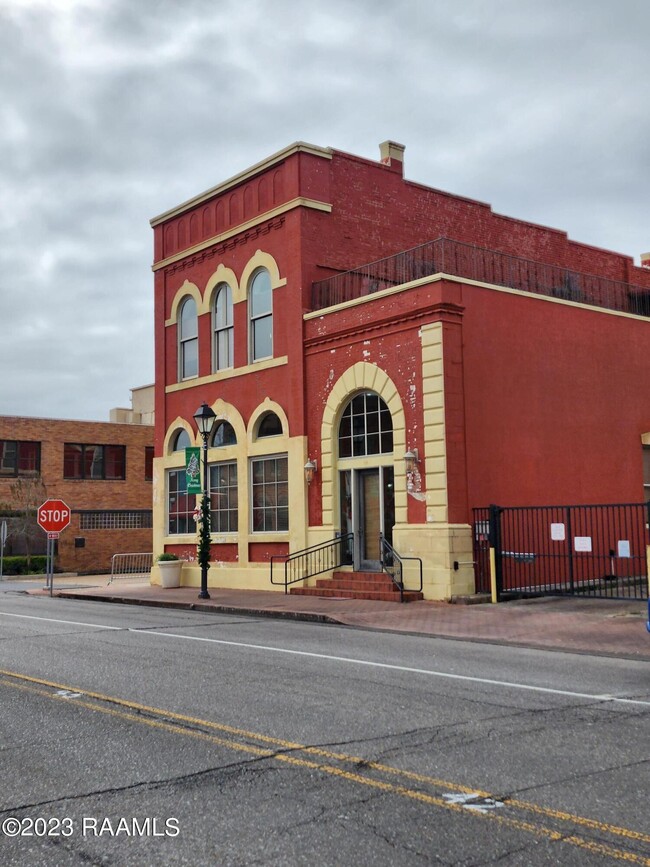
386 585
374 595
360 576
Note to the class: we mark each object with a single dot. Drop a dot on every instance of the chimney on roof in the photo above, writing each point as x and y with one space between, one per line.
392 154
645 260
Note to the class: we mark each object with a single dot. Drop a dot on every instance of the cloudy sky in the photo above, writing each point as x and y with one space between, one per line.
113 111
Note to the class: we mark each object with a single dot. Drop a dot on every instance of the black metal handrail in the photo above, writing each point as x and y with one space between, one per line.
446 256
392 565
314 560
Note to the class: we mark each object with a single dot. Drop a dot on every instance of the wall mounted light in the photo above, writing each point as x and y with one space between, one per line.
311 467
411 459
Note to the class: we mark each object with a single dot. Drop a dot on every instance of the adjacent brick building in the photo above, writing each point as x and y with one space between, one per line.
336 315
101 470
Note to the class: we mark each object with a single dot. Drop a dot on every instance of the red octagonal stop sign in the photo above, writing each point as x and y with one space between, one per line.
53 516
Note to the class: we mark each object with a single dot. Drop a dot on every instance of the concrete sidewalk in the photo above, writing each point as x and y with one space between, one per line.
594 626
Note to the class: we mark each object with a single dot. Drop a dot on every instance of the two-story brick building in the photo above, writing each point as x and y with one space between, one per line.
412 352
103 471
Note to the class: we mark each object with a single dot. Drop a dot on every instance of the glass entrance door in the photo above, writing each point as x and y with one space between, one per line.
367 510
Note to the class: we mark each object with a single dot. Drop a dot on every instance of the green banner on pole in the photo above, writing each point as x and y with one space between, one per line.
193 469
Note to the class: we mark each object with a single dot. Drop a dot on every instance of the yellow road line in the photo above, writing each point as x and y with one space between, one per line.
33 684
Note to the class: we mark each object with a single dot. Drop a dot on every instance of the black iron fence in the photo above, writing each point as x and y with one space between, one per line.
597 551
444 256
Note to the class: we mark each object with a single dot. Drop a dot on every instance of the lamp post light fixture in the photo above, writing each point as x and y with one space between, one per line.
411 459
311 467
204 418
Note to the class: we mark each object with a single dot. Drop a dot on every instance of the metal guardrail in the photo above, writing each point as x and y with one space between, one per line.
312 561
445 256
134 565
392 564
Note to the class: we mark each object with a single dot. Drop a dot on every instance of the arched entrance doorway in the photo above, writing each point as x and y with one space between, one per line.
366 478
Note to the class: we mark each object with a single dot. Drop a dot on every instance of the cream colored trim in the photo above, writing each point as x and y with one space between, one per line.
186 289
645 439
221 275
433 405
258 168
266 444
360 377
300 202
231 373
436 278
172 430
260 260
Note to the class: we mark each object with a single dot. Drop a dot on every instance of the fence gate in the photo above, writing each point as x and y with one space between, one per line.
597 551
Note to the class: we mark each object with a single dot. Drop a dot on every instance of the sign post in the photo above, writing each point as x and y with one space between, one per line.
53 517
3 539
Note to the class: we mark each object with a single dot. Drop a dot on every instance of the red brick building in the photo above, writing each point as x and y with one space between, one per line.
102 471
334 313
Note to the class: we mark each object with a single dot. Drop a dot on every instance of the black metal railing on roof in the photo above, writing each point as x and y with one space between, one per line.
444 256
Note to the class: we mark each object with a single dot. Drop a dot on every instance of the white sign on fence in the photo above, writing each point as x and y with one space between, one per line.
582 543
624 548
558 532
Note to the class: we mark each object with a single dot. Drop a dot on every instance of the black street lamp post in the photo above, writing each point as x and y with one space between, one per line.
204 417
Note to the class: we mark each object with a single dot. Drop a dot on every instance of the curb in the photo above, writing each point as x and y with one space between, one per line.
200 606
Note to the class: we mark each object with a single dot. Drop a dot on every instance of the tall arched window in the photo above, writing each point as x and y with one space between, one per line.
366 427
188 340
223 328
260 301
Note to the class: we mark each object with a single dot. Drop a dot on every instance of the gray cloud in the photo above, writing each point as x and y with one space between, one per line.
114 111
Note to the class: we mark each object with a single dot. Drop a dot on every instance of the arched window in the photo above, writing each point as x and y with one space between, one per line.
269 426
260 309
224 435
223 328
181 441
366 427
188 340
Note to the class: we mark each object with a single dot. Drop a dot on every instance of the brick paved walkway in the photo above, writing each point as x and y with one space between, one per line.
596 626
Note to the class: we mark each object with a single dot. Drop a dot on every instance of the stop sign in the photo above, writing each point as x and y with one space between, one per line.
53 516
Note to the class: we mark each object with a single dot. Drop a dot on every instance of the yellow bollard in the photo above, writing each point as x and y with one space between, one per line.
493 573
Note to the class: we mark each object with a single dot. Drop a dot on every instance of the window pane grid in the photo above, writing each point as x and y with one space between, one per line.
223 498
180 504
120 520
270 495
366 427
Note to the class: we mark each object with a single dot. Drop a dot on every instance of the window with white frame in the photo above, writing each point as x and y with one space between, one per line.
260 308
222 321
223 497
188 340
269 494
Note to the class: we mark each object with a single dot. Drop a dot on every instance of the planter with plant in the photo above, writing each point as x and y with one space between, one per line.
170 567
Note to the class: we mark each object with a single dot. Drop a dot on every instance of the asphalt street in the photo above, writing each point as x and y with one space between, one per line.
134 735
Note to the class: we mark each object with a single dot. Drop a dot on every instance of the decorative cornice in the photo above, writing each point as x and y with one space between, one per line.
258 168
437 312
242 228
